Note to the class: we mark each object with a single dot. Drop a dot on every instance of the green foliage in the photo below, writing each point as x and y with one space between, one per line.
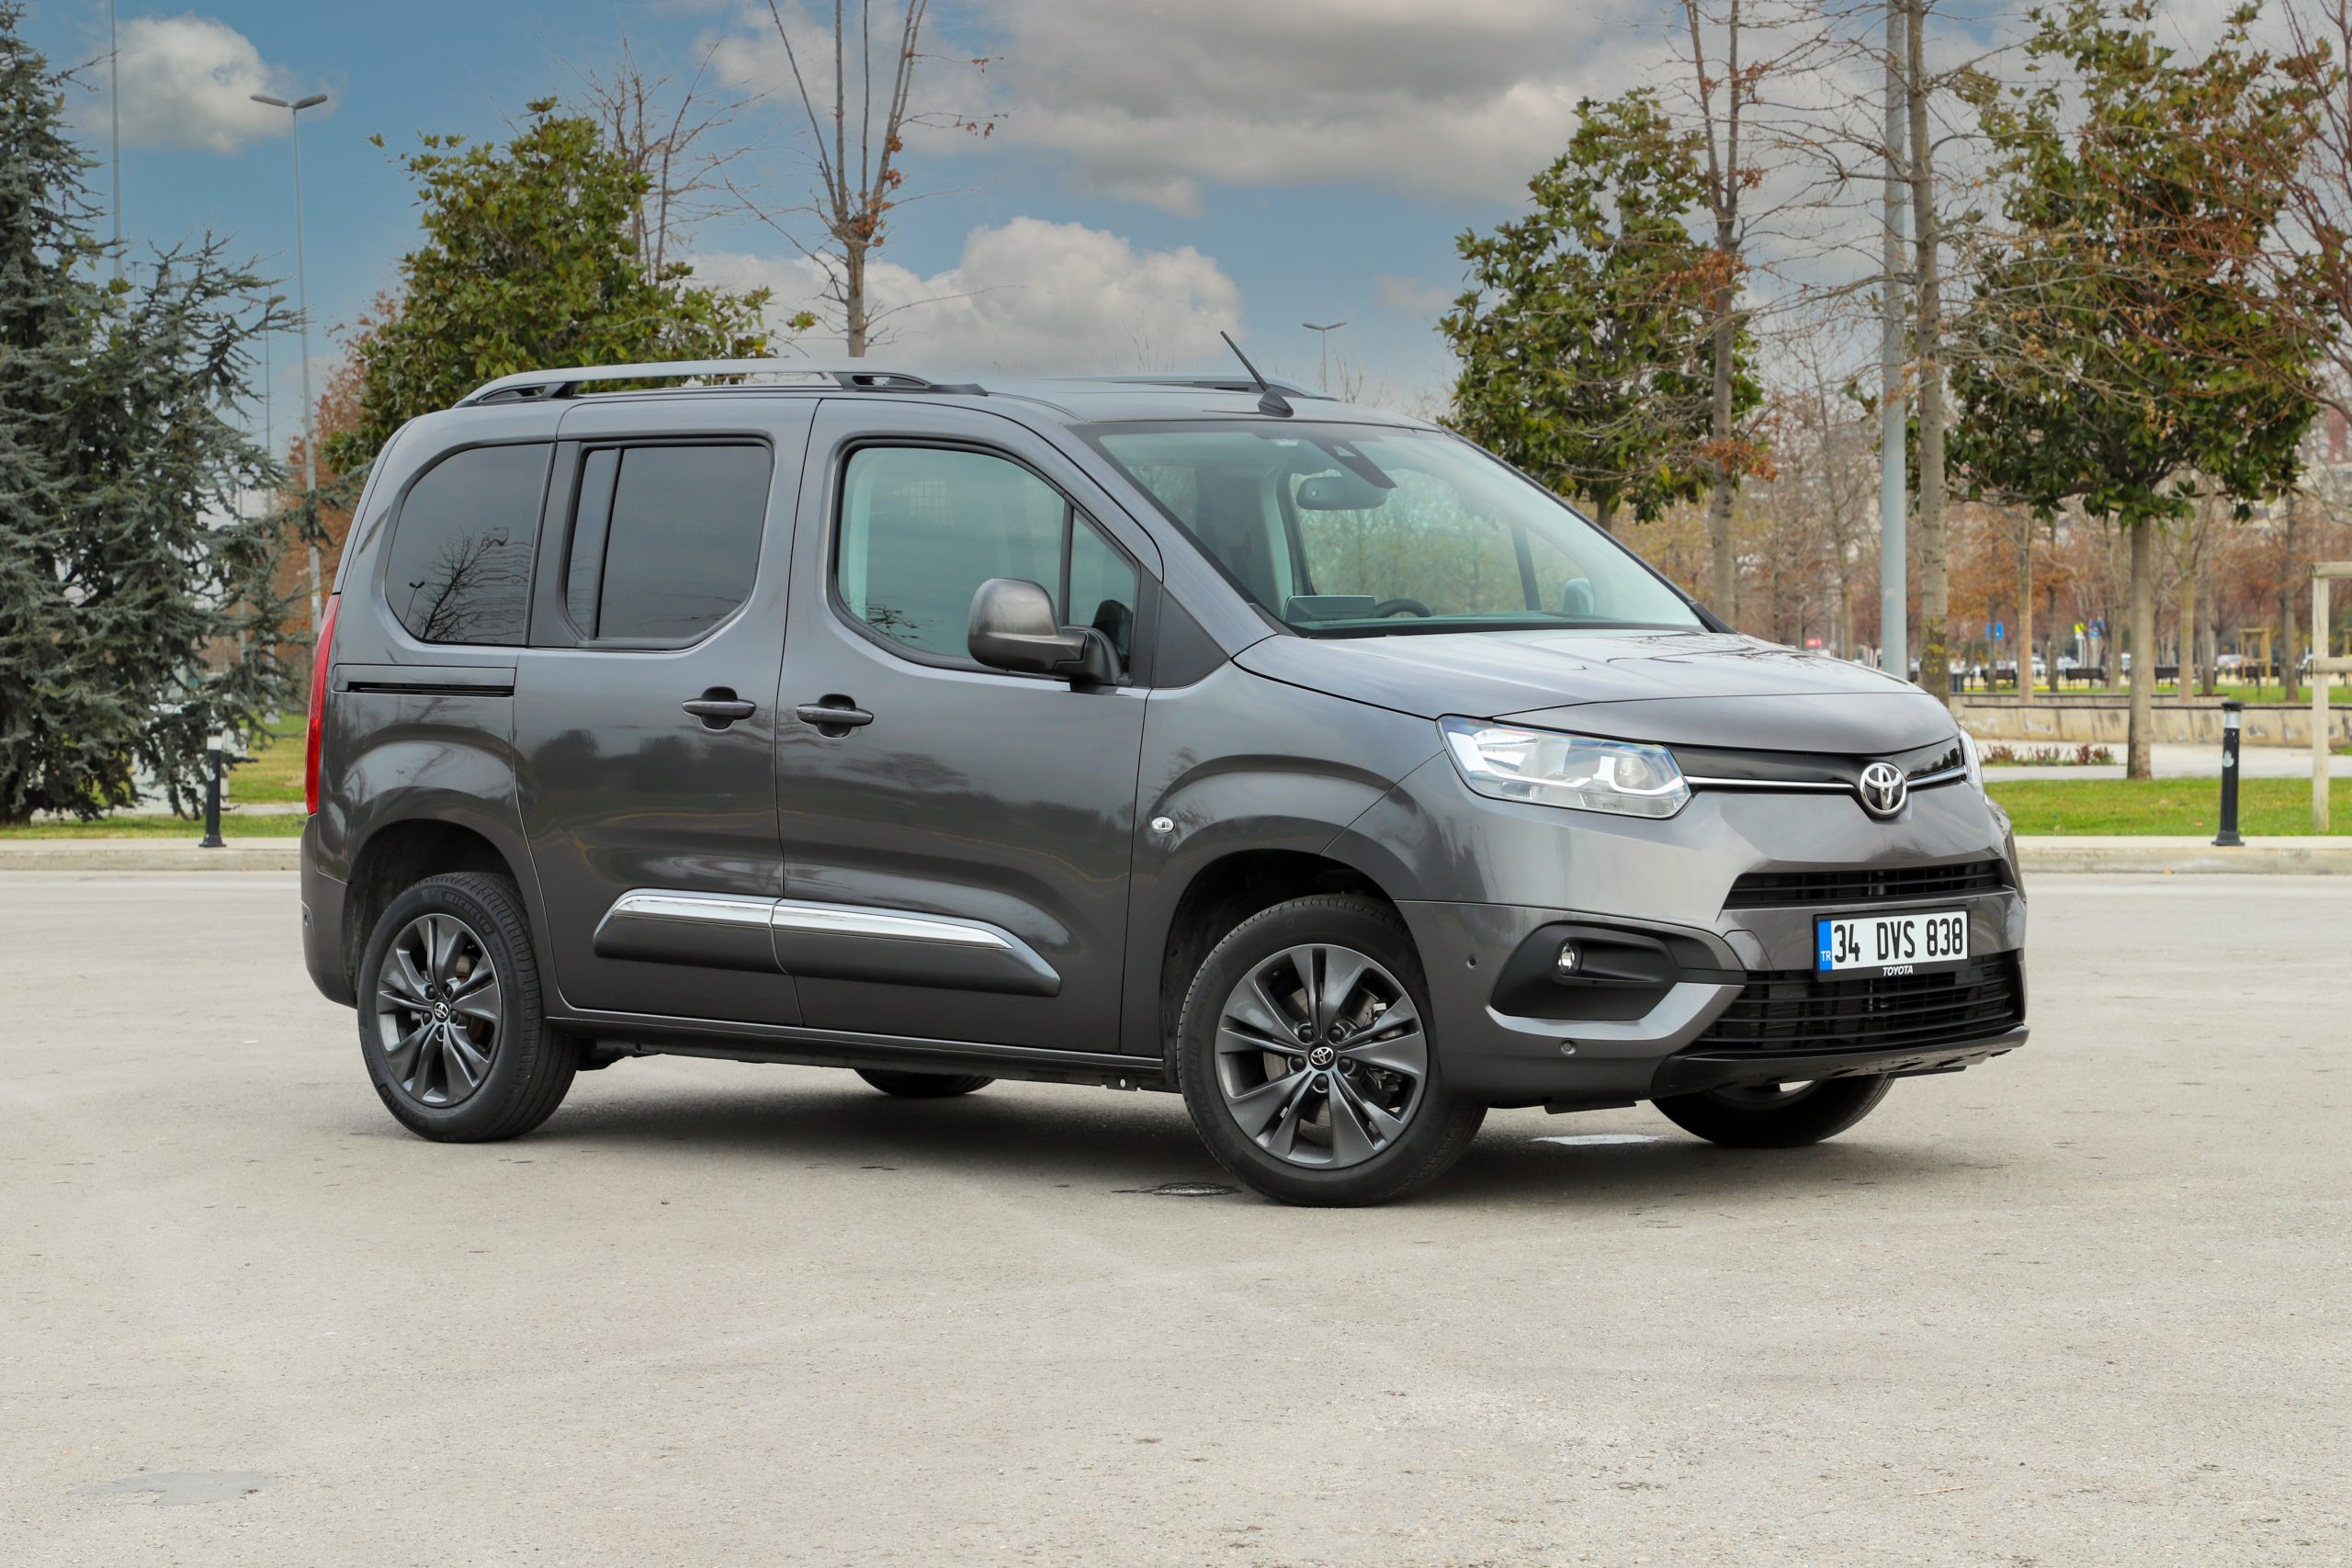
528 261
2122 350
136 611
1584 338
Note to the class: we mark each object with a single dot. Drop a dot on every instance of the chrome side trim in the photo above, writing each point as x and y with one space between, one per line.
710 908
1950 775
850 920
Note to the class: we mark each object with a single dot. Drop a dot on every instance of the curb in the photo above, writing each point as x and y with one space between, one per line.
2039 855
148 855
2186 856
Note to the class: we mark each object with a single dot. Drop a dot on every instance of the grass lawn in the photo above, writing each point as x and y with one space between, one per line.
232 825
2165 805
273 775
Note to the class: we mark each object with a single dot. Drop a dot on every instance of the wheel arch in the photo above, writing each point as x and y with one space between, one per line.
1220 894
399 854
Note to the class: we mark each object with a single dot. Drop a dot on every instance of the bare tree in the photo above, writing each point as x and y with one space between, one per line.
679 133
858 132
1927 338
1732 53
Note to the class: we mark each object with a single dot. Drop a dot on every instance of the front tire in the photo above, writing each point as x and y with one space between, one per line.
450 1023
1776 1116
1307 1061
922 1086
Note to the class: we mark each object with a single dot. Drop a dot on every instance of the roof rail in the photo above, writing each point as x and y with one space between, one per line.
531 385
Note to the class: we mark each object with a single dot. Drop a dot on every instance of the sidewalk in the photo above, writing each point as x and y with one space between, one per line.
2171 761
149 854
2040 856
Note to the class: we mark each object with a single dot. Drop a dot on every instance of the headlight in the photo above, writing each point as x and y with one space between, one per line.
1574 771
1974 763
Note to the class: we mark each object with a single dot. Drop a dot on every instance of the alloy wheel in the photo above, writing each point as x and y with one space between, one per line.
1320 1056
438 1002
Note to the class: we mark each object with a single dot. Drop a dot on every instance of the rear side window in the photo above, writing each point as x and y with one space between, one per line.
923 528
665 540
459 566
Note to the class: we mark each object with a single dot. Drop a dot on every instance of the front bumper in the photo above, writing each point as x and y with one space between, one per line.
1738 1005
1697 1071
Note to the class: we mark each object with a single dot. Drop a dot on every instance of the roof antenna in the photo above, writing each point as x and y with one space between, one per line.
1270 402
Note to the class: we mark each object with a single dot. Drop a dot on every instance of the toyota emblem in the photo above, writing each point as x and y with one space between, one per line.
1883 789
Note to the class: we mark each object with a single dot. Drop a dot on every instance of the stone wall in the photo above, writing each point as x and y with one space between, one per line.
2107 721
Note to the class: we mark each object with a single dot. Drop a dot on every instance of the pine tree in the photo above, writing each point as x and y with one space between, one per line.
136 613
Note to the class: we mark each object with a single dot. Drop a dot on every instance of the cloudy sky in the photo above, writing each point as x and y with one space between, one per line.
1159 169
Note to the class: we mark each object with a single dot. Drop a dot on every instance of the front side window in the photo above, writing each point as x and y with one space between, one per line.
665 540
1344 530
459 566
923 528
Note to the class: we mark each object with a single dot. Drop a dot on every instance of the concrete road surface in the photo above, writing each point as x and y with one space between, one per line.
2086 1305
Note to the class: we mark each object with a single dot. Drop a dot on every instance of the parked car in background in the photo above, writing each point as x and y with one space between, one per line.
1188 734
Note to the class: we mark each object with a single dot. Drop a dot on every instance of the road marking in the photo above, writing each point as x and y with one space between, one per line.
1586 1140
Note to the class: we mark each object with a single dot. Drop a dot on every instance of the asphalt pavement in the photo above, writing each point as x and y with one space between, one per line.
2087 1304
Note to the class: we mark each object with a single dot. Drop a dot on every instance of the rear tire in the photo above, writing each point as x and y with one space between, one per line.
1308 1061
1775 1117
450 1023
922 1086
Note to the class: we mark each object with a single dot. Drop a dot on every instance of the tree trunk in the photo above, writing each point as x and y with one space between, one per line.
1935 592
853 299
2024 643
1604 514
2144 644
1719 504
2188 611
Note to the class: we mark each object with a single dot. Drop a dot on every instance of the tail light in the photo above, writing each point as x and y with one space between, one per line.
319 661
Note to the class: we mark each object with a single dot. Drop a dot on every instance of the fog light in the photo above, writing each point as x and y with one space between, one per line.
1565 964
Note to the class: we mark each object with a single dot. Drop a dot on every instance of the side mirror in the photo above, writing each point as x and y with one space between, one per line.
1013 627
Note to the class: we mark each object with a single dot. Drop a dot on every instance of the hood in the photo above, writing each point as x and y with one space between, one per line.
1689 688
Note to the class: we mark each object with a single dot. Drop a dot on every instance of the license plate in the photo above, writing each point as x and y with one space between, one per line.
1847 946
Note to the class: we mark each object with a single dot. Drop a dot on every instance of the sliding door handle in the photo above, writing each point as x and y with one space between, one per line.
835 716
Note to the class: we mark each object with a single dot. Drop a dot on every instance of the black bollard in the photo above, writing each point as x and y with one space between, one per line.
212 838
2230 718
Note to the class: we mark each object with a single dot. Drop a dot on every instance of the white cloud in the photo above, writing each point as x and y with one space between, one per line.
1410 296
1466 98
188 80
1026 296
1153 102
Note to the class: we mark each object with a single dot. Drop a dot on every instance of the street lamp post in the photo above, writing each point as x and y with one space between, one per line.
113 111
302 308
1324 332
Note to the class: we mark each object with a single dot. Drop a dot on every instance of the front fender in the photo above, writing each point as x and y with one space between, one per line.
1240 764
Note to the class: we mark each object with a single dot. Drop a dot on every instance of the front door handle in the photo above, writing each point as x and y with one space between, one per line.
719 707
834 717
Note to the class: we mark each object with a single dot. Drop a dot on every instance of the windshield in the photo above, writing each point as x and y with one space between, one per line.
1353 530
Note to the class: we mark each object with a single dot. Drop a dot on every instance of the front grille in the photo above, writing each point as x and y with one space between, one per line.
1791 1011
1864 884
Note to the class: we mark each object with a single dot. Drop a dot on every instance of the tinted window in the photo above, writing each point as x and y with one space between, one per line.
923 529
1355 531
1102 590
665 539
459 567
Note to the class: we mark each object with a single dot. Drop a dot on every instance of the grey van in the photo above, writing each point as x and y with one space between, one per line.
1194 734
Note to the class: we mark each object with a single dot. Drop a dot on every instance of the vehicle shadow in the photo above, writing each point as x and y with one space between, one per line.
1133 1143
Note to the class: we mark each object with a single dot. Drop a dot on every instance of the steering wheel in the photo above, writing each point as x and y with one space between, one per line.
1388 607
